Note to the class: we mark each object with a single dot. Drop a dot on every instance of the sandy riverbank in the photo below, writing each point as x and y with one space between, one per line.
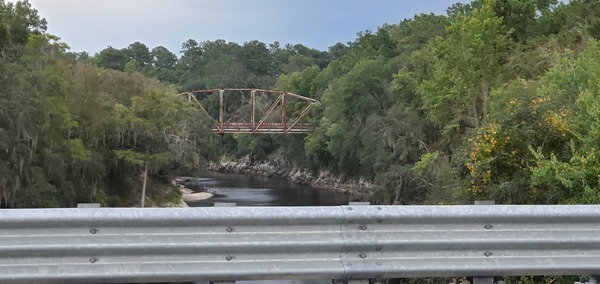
188 195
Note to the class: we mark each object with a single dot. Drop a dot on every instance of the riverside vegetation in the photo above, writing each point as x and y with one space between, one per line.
495 100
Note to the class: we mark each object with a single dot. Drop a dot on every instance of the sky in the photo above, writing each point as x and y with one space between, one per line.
92 25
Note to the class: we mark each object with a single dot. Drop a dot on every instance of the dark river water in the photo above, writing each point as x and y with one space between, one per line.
260 191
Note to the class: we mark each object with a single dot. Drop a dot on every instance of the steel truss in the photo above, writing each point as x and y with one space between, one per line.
257 124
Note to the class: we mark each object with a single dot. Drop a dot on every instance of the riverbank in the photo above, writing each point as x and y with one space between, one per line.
359 189
188 195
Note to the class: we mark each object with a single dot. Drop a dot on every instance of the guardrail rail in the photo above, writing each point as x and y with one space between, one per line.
106 245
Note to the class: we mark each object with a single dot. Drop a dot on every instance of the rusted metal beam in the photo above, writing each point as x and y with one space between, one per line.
252 96
283 113
192 96
302 114
257 90
221 109
267 127
300 97
268 113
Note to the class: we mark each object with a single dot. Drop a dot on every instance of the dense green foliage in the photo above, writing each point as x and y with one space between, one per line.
496 99
71 132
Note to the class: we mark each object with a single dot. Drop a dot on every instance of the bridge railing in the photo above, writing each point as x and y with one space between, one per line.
104 245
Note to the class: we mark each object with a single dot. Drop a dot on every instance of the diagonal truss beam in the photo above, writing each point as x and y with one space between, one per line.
192 96
270 110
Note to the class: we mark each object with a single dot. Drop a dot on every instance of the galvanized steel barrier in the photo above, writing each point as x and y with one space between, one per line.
341 242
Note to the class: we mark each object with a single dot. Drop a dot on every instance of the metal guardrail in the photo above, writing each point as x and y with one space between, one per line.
248 243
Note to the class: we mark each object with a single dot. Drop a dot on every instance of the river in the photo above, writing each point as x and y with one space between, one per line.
261 191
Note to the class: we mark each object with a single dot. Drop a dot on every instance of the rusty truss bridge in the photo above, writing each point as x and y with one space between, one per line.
253 110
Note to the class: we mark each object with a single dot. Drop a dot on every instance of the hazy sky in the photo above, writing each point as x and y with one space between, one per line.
91 25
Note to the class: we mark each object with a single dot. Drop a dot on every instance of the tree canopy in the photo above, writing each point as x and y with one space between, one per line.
496 99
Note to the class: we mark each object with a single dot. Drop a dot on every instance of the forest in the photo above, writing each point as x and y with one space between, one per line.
497 99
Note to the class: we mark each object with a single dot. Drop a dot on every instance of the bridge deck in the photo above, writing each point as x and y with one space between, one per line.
267 127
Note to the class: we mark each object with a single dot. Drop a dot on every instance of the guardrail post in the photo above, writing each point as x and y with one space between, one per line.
357 281
88 205
484 280
225 204
359 203
354 281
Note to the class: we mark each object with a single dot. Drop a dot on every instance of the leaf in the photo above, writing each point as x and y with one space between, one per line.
131 157
78 150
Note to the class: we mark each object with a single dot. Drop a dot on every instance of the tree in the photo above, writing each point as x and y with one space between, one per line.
164 62
369 44
191 64
572 18
337 50
112 58
140 54
297 62
32 161
460 9
413 34
20 119
360 92
457 97
147 128
571 175
17 22
529 152
128 122
256 57
521 16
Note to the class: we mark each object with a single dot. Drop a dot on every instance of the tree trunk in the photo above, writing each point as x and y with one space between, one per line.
485 90
3 199
475 113
144 184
